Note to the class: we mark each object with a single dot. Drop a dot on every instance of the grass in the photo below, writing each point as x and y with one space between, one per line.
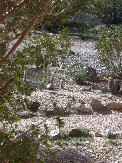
72 141
112 142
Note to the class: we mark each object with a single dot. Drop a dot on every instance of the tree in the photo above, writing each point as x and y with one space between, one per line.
17 19
109 46
109 11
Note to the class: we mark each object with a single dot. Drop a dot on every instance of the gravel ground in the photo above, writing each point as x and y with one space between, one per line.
87 53
101 152
99 149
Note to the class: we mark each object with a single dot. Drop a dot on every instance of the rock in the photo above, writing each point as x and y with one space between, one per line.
64 155
58 133
98 134
85 109
112 135
79 80
113 86
78 133
34 106
117 84
91 75
120 90
58 110
114 106
26 114
97 106
50 86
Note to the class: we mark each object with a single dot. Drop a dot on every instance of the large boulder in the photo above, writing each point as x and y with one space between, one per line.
114 106
84 109
64 155
97 106
79 133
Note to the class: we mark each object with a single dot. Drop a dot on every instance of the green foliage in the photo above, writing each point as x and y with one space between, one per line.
18 22
109 11
48 49
109 46
96 31
14 98
72 141
62 142
22 150
112 142
76 71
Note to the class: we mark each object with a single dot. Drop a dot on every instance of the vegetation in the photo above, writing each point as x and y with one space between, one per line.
18 19
112 142
109 46
109 11
19 47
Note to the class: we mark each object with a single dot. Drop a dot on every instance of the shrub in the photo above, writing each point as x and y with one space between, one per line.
109 11
76 70
109 46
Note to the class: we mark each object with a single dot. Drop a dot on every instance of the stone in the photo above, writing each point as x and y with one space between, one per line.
97 106
113 86
91 74
26 114
114 106
117 84
79 80
34 106
57 133
79 133
64 155
112 135
85 109
120 90
98 134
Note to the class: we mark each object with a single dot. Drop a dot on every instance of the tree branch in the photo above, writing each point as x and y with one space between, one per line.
6 85
27 31
57 14
15 8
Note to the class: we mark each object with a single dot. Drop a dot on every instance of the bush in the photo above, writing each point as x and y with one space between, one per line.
109 11
76 71
109 46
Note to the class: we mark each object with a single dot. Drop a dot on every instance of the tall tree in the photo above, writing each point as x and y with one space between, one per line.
17 19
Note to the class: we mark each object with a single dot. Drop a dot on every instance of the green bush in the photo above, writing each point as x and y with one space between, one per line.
109 11
76 72
109 46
